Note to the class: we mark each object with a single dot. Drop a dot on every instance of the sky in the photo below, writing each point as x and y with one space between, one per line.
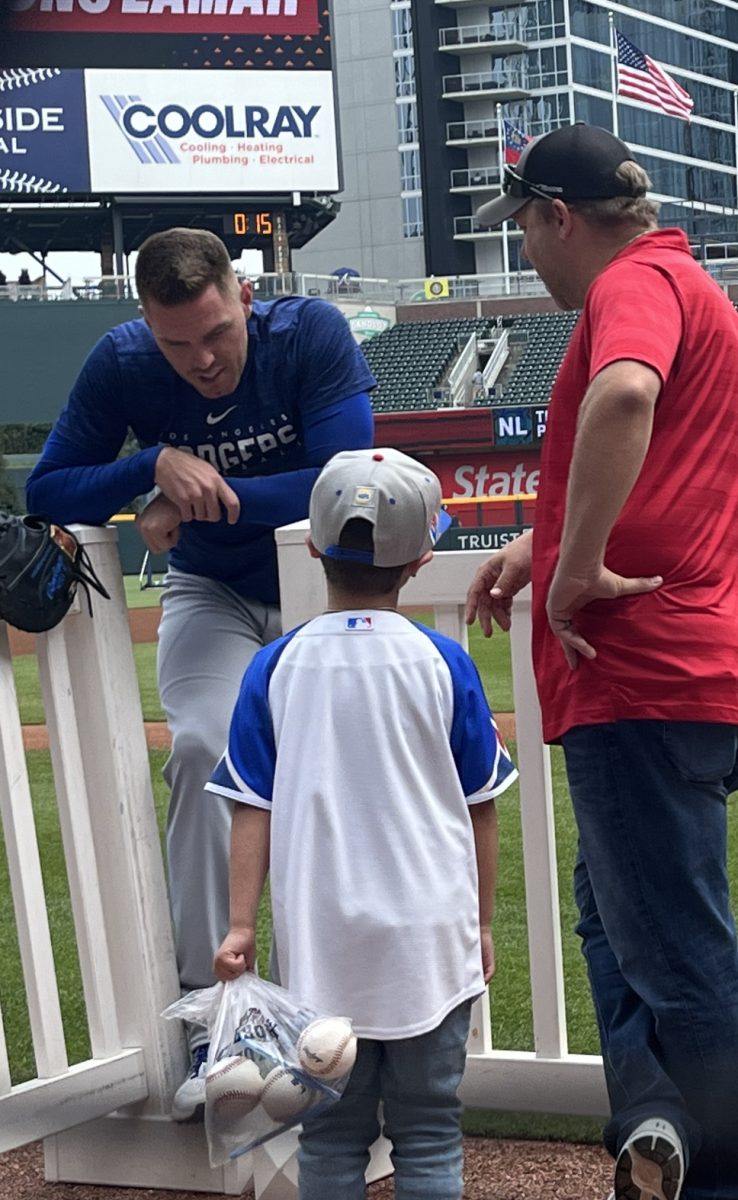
79 266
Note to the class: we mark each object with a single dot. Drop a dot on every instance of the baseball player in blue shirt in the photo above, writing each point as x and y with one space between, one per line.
236 405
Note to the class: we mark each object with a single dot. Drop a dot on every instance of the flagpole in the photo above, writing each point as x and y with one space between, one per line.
735 130
501 154
613 73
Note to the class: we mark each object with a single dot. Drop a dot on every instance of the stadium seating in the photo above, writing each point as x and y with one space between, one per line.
412 360
529 376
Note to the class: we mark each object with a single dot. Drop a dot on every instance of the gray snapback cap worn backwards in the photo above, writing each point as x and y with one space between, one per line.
575 162
393 492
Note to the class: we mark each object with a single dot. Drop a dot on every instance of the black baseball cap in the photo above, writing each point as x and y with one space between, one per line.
575 162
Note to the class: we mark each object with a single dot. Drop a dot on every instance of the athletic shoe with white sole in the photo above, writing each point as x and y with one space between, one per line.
188 1105
650 1165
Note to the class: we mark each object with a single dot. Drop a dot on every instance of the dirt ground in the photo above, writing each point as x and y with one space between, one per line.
493 1170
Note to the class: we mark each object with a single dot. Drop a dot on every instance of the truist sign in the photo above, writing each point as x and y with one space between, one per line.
274 17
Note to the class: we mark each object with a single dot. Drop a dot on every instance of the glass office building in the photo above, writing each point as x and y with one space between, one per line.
543 63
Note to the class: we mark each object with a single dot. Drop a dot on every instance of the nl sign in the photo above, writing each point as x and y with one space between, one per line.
519 426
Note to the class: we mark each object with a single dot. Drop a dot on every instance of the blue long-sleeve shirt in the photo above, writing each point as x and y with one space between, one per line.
301 398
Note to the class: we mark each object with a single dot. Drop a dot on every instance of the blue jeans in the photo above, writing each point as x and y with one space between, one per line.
416 1079
658 933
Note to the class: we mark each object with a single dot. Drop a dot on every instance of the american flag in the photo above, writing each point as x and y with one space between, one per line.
643 79
515 142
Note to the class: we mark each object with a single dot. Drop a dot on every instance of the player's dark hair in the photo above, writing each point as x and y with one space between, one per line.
361 578
177 265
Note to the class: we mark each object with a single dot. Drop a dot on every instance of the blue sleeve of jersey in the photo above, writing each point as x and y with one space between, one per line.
330 364
482 761
246 770
275 500
78 477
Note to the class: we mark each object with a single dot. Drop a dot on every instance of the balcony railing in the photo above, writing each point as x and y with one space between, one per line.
468 131
457 37
476 83
475 177
492 4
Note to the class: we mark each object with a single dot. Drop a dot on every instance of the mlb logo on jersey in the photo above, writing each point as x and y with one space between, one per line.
365 496
359 623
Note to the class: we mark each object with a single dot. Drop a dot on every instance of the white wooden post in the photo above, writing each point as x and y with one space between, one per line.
89 679
539 846
26 882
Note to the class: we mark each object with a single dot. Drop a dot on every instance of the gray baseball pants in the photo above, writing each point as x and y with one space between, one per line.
208 634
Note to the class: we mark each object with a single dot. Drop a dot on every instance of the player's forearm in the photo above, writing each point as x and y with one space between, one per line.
249 863
275 500
90 494
613 436
484 824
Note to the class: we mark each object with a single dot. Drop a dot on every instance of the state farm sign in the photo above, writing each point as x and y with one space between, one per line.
161 16
487 476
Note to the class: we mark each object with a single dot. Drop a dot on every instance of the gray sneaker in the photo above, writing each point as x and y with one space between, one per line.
650 1165
188 1105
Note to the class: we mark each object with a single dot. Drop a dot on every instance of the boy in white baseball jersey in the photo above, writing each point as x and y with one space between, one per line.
364 760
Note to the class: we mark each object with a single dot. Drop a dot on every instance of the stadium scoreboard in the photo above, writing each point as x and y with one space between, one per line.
249 223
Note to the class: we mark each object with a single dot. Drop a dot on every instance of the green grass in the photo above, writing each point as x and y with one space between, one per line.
138 597
28 687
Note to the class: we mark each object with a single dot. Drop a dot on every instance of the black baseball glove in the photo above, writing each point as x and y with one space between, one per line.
40 567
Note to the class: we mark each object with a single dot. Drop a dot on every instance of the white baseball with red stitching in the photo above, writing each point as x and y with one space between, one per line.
327 1047
233 1088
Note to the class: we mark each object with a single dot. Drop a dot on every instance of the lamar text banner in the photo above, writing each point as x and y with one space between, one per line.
162 16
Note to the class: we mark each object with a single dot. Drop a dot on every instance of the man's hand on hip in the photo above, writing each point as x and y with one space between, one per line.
569 593
196 488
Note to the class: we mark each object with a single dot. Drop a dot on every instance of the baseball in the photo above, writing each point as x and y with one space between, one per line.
327 1047
233 1088
285 1096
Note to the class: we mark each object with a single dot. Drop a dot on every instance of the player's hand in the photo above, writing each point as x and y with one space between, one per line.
488 953
569 593
159 525
236 954
196 488
497 581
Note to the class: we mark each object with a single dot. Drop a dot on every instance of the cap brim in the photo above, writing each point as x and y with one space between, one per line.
500 209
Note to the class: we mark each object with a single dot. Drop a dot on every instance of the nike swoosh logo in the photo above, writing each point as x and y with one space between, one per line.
218 417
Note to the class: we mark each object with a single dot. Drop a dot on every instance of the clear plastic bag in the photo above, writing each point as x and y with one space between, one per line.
273 1061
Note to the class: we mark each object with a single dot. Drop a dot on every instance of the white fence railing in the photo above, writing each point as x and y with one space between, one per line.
105 1120
720 262
37 291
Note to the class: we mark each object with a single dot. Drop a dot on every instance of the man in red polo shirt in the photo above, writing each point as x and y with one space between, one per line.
634 565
